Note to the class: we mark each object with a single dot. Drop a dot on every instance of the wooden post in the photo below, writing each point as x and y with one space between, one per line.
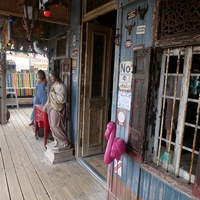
3 106
196 187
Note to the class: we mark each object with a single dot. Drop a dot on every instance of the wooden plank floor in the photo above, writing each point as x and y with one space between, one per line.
97 162
26 173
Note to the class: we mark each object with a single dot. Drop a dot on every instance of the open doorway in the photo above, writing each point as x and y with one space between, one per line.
98 60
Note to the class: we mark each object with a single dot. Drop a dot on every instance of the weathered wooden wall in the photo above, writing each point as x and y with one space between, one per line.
135 182
129 181
151 187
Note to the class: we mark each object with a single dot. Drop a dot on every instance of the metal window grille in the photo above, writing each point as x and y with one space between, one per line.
61 46
180 17
177 140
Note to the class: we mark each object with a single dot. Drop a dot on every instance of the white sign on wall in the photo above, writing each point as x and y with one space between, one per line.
124 100
141 29
118 167
125 75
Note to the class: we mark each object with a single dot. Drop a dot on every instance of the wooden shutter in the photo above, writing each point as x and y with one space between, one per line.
137 127
65 75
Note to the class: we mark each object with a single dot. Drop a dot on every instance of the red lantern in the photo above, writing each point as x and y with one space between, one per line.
47 13
57 5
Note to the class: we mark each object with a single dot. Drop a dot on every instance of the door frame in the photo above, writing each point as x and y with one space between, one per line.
90 16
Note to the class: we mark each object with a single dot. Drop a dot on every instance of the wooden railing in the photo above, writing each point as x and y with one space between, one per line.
23 82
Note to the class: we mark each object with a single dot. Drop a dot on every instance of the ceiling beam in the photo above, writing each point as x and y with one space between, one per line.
45 19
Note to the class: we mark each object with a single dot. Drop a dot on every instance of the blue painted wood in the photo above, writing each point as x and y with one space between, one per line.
147 181
116 69
167 192
183 197
73 127
130 173
175 195
152 188
141 183
125 172
136 177
148 22
129 178
75 13
74 29
160 190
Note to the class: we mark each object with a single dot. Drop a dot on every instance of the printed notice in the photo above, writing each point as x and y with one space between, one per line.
124 100
118 167
125 75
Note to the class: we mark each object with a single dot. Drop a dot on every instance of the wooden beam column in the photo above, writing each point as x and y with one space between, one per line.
3 106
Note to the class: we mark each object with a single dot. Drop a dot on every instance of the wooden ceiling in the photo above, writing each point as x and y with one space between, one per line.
11 9
59 15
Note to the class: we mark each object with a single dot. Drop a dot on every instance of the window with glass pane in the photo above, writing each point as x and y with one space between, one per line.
177 140
97 67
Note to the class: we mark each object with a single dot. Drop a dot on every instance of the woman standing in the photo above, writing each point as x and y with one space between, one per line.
56 109
40 92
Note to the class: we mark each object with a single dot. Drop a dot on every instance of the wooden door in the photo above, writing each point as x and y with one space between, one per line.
96 88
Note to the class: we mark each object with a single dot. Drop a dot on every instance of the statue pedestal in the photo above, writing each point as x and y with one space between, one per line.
58 156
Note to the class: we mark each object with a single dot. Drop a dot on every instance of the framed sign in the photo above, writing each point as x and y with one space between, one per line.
125 75
124 100
118 167
131 14
74 53
128 43
121 117
141 29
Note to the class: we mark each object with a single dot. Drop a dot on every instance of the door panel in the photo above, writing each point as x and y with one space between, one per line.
137 128
96 87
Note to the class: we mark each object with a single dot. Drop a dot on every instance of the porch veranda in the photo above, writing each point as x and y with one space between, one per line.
26 173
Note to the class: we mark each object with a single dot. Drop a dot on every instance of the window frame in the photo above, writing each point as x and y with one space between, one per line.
175 166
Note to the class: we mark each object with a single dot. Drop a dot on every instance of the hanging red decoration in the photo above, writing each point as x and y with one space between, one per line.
46 6
47 13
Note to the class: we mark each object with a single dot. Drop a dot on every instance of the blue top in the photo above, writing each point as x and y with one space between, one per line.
40 95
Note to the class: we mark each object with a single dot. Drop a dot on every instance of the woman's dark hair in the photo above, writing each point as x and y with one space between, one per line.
55 73
42 73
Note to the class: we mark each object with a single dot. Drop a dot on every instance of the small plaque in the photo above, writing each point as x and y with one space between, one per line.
74 53
121 117
75 79
141 29
142 46
132 14
128 43
73 63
